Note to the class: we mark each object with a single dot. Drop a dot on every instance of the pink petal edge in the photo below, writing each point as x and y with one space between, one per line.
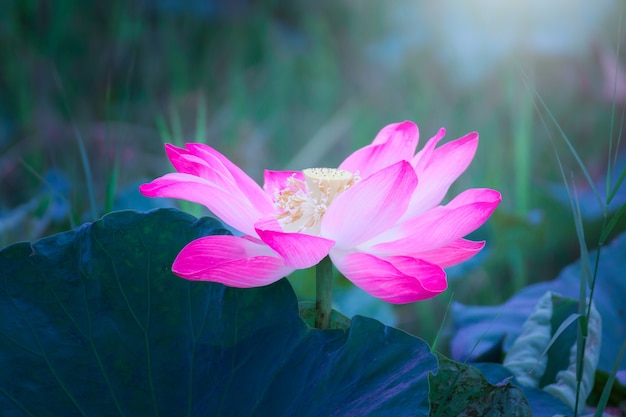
246 185
299 250
452 254
438 168
440 226
230 260
232 208
397 280
395 142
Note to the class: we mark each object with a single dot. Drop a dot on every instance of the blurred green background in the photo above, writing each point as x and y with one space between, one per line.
90 91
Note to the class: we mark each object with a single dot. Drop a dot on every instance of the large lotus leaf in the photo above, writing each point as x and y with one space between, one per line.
477 329
93 323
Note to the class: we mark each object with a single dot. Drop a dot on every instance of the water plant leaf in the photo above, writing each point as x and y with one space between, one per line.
492 324
545 355
563 324
607 388
541 403
462 390
95 324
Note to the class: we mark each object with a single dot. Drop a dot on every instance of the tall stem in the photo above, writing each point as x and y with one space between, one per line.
323 293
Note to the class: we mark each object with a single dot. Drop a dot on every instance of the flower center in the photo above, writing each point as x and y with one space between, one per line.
302 204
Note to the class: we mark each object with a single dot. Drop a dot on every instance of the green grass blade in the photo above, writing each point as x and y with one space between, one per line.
606 392
443 322
87 169
566 323
616 187
569 144
111 187
611 224
612 156
585 264
113 174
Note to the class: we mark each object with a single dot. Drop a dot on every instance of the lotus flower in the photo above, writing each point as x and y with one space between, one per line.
378 216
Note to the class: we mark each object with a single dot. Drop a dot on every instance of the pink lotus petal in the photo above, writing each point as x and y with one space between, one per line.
395 142
230 260
474 195
232 208
397 280
207 166
440 226
422 158
370 206
277 180
246 185
183 161
437 169
452 254
298 249
210 168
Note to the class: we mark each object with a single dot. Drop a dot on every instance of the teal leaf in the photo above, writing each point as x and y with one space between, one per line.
541 403
563 332
462 390
545 354
478 328
94 323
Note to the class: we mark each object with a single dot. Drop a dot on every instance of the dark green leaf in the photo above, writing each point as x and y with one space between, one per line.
541 403
95 324
559 351
607 389
461 390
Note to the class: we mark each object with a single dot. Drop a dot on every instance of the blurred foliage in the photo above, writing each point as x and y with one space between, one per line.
478 329
263 81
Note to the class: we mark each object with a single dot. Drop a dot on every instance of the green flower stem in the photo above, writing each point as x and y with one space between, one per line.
323 293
